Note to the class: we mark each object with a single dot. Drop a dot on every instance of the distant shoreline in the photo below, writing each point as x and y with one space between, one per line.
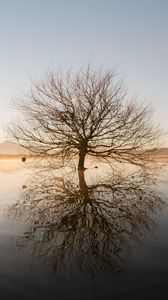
12 156
19 156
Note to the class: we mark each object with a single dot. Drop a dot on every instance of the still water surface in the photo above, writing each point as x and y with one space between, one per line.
96 236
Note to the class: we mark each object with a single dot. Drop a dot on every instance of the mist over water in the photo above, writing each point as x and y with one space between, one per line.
96 234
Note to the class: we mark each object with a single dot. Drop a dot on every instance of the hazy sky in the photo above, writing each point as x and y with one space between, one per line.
130 34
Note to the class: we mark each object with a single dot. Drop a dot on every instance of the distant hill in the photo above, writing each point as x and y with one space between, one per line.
11 148
8 147
162 152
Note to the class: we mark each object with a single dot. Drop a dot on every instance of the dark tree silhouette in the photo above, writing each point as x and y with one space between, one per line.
85 113
85 226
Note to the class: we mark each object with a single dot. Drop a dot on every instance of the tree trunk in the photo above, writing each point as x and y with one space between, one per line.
84 190
81 161
82 182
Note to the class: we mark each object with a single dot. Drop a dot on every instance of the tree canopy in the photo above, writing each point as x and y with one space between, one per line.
85 112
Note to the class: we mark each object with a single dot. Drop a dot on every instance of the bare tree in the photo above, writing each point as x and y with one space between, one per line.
81 113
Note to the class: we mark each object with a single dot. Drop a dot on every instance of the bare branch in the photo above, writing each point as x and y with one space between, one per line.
85 112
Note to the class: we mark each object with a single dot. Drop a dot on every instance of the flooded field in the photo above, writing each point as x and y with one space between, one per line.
89 235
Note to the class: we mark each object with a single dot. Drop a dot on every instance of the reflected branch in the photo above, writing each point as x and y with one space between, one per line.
82 227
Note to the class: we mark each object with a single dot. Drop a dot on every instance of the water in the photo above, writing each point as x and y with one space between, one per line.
64 237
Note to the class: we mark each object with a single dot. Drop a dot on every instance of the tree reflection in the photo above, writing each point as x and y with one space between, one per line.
85 227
